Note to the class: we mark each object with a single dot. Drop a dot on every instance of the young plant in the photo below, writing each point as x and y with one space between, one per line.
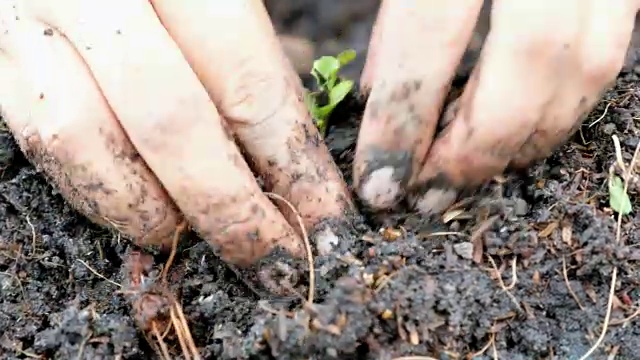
618 198
331 88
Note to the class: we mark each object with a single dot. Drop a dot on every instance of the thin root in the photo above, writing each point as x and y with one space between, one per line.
607 316
98 274
164 350
614 275
307 244
502 285
604 113
182 326
174 246
625 320
33 238
484 348
566 281
17 279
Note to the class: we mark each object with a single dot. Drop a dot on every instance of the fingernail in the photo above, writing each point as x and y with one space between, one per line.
380 189
435 201
385 177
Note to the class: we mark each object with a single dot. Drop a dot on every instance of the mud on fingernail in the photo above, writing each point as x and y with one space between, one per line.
385 178
434 196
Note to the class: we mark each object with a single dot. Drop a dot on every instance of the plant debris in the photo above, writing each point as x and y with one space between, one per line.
553 272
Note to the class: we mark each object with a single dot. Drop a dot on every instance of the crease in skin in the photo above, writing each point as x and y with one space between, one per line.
256 95
177 128
64 127
232 233
601 56
407 94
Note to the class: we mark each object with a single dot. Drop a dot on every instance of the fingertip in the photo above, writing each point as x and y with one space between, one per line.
434 201
379 190
260 97
407 88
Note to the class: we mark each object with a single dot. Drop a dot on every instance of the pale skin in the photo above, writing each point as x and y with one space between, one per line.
145 113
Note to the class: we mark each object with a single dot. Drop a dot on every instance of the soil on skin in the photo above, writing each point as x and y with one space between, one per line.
415 288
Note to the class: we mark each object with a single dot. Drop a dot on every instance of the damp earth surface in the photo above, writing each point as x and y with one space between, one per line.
521 270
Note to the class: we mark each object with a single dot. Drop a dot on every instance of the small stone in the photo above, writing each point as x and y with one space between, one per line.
332 352
464 250
386 314
609 128
520 207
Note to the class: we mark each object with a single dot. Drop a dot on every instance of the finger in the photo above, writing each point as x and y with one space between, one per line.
417 48
371 62
65 127
607 31
299 51
174 125
260 97
509 92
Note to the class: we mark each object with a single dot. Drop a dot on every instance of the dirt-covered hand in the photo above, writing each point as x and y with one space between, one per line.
543 66
145 112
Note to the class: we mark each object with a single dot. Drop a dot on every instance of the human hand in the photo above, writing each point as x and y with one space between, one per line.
543 66
139 111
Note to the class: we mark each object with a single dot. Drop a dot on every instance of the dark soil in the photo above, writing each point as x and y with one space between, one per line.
414 288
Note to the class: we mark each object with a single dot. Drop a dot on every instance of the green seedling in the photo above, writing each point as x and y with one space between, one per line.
618 198
331 88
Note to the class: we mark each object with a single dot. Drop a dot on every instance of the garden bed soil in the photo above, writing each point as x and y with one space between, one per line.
417 287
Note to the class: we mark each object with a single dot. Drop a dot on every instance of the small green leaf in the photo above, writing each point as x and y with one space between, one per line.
310 101
320 81
346 57
325 70
322 126
323 112
312 105
340 91
618 198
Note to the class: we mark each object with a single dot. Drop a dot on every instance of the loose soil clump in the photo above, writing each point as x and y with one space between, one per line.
520 270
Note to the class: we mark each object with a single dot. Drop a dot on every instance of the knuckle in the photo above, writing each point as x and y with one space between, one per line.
545 46
39 144
155 131
603 68
254 95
